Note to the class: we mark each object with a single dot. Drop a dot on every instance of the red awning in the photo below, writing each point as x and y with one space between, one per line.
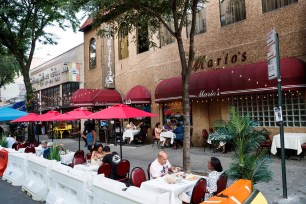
243 79
95 97
138 94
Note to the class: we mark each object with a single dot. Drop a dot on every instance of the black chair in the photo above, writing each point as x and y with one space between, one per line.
205 136
148 171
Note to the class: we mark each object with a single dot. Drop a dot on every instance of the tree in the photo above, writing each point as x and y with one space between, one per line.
9 68
172 14
22 24
248 162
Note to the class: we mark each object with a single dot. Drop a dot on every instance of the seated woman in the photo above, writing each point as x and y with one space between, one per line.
179 132
97 156
214 165
167 127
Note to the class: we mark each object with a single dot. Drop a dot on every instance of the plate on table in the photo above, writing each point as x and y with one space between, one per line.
192 177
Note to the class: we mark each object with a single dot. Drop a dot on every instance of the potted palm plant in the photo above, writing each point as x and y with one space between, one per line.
243 133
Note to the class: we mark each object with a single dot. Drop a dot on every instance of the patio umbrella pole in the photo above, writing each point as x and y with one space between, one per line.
79 134
52 131
120 139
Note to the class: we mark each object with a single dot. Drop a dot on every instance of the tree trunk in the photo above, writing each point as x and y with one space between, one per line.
29 95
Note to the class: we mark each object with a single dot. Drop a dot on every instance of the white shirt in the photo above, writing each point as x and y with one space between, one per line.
158 170
10 142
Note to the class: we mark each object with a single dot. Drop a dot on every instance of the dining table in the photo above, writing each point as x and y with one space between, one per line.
87 167
160 185
129 133
67 158
167 134
292 141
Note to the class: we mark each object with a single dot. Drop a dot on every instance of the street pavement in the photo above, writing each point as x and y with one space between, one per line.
142 155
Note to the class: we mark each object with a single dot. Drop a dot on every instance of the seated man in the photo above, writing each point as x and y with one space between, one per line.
43 149
160 166
179 132
113 159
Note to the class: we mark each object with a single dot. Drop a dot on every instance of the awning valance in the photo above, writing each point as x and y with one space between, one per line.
243 79
138 94
95 97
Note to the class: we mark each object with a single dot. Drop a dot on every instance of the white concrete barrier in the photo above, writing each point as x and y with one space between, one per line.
15 172
108 191
68 185
38 177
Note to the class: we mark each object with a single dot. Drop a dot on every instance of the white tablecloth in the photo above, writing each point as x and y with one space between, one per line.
167 134
159 185
86 168
67 158
292 141
130 134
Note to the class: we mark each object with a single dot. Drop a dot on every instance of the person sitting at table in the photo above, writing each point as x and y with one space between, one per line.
214 165
91 137
43 149
141 136
179 132
133 127
167 127
113 159
10 141
97 155
160 166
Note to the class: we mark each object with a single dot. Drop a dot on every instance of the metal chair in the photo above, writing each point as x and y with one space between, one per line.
138 176
221 184
105 169
79 152
30 149
205 136
122 170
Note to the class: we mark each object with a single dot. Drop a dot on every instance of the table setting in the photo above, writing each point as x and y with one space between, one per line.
167 134
174 183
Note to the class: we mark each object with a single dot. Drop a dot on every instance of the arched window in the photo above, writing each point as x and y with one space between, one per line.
92 54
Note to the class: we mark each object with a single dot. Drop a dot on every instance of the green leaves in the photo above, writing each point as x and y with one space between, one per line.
9 68
248 163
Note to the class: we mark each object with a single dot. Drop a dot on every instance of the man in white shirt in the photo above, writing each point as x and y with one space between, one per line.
160 166
10 141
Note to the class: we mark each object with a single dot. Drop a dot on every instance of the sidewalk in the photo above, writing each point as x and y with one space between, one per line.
141 156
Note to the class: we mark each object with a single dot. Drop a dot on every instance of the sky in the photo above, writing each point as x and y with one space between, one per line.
66 40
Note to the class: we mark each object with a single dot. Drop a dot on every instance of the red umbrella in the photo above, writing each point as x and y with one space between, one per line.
76 114
120 111
26 118
46 117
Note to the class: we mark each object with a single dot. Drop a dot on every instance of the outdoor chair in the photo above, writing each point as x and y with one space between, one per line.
20 146
198 193
266 144
105 169
157 141
148 171
15 146
221 184
138 176
205 136
79 152
303 146
78 159
122 170
88 156
30 149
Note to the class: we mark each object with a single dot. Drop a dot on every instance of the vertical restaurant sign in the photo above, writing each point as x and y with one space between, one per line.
74 71
109 68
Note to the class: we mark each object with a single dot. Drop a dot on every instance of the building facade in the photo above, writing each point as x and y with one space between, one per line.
56 80
230 67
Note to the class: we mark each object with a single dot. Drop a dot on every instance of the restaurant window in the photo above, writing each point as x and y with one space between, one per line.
200 25
270 5
144 107
123 43
50 97
232 11
165 37
92 54
142 38
173 113
261 108
67 90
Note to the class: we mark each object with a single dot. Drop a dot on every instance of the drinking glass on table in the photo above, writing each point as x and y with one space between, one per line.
88 162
